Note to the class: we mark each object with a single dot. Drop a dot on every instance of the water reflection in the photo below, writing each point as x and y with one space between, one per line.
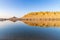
38 22
43 23
21 31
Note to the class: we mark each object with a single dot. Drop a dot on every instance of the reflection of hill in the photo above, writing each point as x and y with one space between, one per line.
43 23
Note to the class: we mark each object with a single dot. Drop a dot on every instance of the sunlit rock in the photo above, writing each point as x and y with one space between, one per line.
42 19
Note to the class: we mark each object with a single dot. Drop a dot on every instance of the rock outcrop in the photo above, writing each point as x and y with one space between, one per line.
43 18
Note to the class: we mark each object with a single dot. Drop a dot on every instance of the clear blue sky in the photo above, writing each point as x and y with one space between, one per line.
18 8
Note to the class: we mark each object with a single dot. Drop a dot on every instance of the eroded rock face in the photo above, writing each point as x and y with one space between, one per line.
42 18
42 15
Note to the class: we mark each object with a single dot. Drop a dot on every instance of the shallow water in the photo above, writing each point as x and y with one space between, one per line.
21 31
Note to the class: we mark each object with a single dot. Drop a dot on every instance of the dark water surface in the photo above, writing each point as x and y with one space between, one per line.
21 31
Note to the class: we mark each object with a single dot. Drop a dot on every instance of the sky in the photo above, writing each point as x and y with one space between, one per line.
19 8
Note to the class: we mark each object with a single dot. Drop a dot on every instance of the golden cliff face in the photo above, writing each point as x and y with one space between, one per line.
42 19
43 15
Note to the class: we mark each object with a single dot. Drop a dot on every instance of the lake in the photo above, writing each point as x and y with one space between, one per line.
21 31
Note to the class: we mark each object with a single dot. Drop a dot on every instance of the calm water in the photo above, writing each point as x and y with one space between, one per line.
21 31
